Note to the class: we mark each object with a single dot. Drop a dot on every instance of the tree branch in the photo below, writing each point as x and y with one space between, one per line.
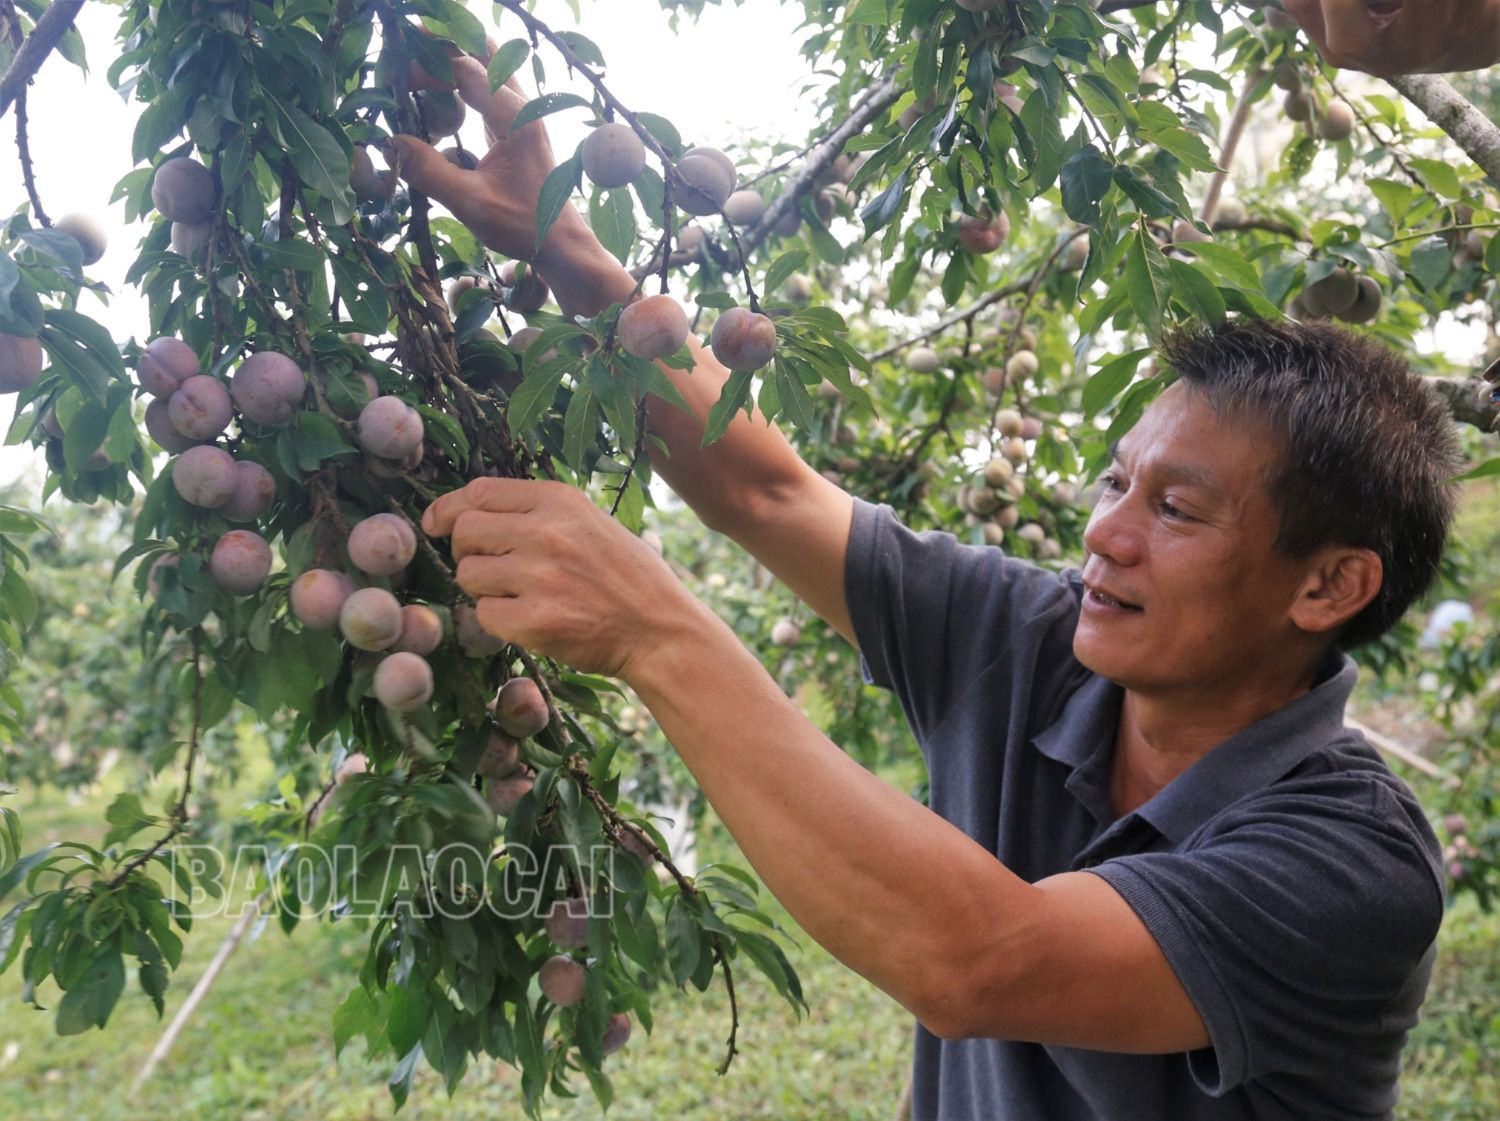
47 33
1450 111
1470 401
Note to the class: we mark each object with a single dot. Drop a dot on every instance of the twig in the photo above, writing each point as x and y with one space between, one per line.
734 1007
987 300
50 27
26 170
1231 143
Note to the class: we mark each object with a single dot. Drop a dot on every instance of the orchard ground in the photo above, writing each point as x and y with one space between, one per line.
258 1047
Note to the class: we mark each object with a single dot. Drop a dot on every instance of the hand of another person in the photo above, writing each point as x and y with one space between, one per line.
1393 37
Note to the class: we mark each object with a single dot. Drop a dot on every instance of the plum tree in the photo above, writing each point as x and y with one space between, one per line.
382 544
653 327
742 339
613 155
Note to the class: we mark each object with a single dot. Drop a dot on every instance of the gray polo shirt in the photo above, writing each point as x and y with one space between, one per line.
1291 880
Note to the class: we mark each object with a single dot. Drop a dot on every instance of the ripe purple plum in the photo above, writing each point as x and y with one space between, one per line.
267 388
983 234
473 639
205 476
421 629
568 923
382 545
1031 428
254 491
653 328
201 408
613 155
189 239
403 682
744 207
182 190
562 980
370 619
390 428
743 339
164 365
20 362
520 708
526 292
240 563
318 596
500 758
703 180
616 1032
504 795
87 232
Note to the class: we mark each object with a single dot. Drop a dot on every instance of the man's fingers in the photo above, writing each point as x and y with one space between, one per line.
485 531
516 496
482 575
424 167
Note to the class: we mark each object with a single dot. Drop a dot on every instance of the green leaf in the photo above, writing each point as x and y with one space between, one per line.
733 396
546 105
1105 385
1197 291
557 188
1148 281
580 425
127 817
1441 177
1084 179
506 61
612 216
1484 471
782 268
359 1014
1430 263
90 1001
535 394
683 942
320 161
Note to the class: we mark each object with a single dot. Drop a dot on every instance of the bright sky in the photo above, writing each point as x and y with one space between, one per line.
735 72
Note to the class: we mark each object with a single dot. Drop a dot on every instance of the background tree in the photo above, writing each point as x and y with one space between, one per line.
948 292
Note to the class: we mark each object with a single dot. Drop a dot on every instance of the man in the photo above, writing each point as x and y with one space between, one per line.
1158 879
1393 37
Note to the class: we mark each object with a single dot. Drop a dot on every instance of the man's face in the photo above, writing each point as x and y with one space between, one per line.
1184 592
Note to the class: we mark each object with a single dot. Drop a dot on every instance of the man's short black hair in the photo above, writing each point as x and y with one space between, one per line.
1368 449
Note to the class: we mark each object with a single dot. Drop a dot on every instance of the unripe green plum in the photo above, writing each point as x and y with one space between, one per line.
1337 121
318 596
20 362
789 222
205 476
164 365
403 682
500 758
1184 232
240 563
1334 294
473 639
267 388
983 234
923 360
254 491
613 155
190 238
562 980
87 232
702 181
1287 76
786 632
505 794
528 293
1297 106
744 207
421 629
743 339
616 1032
364 179
382 545
201 407
1232 213
182 190
520 708
568 923
653 327
1023 364
390 428
522 339
998 472
442 112
370 619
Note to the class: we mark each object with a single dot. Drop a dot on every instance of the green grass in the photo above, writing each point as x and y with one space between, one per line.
259 1046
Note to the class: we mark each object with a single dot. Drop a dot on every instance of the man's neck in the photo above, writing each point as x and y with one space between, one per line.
1158 738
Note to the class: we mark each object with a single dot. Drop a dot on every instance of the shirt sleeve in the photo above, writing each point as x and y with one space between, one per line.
1297 929
930 614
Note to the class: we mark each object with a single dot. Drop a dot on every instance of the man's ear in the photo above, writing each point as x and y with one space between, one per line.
1340 584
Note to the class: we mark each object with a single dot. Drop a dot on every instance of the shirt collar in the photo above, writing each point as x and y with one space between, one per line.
1083 738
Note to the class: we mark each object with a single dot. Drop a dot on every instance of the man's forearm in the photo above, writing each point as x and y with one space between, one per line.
752 458
896 893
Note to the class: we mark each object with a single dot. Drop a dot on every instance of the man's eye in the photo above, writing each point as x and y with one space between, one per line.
1175 512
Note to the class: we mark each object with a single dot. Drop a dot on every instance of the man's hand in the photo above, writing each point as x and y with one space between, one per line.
1393 37
553 573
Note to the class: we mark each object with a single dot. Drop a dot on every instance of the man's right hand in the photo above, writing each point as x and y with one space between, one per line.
1393 37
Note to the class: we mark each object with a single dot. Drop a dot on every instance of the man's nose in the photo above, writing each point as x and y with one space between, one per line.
1113 532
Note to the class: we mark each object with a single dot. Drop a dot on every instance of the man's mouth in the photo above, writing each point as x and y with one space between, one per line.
1104 599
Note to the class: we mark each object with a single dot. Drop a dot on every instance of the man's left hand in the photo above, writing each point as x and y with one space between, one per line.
553 573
